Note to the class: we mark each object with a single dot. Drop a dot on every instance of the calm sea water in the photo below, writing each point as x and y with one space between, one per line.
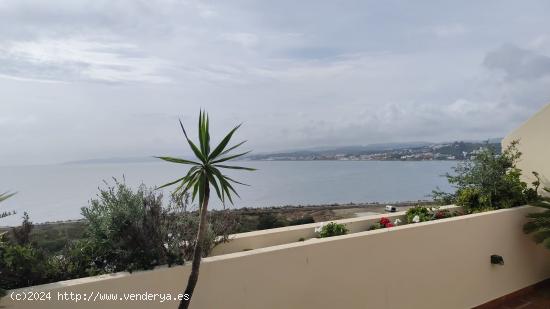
57 192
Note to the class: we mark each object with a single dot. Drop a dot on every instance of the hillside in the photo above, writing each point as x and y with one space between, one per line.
458 150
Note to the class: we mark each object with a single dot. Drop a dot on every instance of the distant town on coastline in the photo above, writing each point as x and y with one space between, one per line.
411 151
419 151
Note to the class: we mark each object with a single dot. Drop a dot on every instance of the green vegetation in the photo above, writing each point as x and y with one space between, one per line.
124 230
457 150
202 174
269 221
444 213
3 197
21 263
383 223
421 214
418 214
302 220
488 181
539 223
128 230
333 229
54 237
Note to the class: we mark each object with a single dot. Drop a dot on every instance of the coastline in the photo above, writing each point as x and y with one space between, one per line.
320 212
54 236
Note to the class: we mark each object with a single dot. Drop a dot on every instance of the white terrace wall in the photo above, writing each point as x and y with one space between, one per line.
438 264
534 143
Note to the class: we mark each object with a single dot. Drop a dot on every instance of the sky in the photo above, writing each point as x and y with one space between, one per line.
101 79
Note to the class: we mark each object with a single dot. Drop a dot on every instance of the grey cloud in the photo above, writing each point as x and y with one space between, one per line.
298 73
518 63
75 59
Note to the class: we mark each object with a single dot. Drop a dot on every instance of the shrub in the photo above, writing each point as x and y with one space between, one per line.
442 214
532 194
375 226
269 221
418 214
383 223
23 265
22 234
130 230
82 259
303 220
181 237
332 229
539 223
20 263
470 198
488 181
53 238
3 214
124 230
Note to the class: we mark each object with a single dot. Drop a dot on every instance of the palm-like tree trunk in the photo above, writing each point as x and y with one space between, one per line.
197 253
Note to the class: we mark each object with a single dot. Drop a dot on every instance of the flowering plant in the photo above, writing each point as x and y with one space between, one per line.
442 214
419 214
383 223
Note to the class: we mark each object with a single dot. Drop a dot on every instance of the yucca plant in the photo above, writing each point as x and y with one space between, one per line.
4 196
539 223
204 172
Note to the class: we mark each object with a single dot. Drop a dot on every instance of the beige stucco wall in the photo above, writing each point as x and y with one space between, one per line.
289 234
438 264
534 143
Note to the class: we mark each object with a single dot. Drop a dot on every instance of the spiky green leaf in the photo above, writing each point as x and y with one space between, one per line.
194 148
232 148
214 183
170 183
223 143
4 196
236 167
178 160
206 173
230 157
237 182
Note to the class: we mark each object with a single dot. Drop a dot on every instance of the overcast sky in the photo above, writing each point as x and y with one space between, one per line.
98 79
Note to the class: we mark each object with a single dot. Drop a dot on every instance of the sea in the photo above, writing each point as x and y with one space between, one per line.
58 192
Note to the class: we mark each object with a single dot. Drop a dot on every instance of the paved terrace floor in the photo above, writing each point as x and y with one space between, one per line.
534 297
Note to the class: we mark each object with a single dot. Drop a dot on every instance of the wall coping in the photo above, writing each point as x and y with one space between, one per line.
316 224
230 256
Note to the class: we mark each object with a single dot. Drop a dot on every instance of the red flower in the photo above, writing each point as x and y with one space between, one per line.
384 221
440 214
